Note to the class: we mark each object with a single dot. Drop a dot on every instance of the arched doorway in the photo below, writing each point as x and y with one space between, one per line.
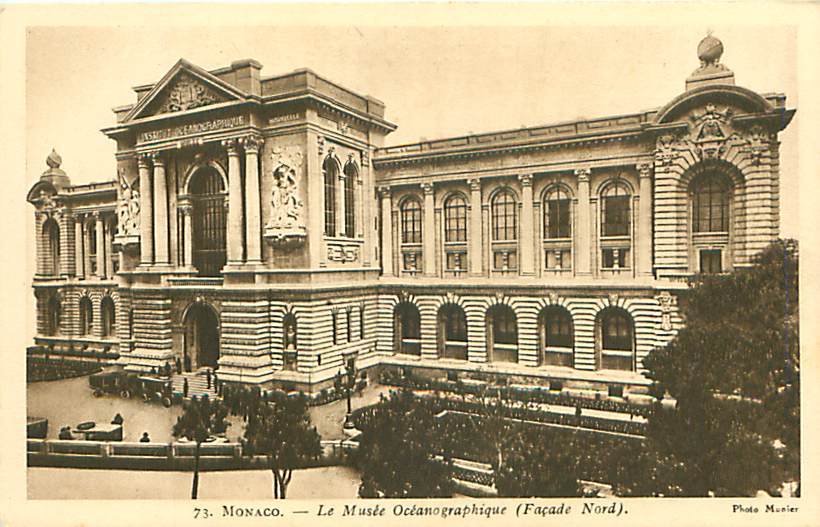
201 337
207 192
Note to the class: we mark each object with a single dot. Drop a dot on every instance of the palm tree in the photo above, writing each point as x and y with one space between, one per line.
200 419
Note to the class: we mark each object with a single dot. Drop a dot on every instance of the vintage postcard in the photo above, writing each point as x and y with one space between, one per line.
388 264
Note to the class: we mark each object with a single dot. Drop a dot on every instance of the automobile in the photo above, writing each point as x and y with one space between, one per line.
112 382
156 389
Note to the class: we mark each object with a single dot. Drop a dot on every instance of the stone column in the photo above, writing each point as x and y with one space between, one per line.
109 249
146 212
527 229
387 231
79 265
428 233
253 214
100 235
235 233
645 220
475 237
584 235
187 236
161 255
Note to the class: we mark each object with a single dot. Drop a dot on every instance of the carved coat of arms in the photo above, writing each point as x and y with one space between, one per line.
187 93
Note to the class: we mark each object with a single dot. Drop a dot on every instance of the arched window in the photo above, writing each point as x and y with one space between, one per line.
86 316
615 340
407 328
455 219
452 329
556 336
108 317
504 217
53 316
616 226
557 222
289 332
504 230
351 175
710 205
209 221
91 243
330 172
51 233
410 220
455 234
289 342
502 334
615 207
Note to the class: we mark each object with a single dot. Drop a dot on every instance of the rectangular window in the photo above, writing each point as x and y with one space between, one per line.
505 260
410 262
710 261
456 261
616 216
558 225
615 258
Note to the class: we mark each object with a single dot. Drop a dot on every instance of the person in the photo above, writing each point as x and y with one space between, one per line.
216 383
117 419
187 362
185 388
65 433
178 364
167 369
208 377
145 438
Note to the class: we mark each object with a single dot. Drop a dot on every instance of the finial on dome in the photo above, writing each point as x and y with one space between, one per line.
710 49
54 160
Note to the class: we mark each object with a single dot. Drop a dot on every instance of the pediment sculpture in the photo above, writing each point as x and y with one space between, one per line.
286 219
128 207
186 93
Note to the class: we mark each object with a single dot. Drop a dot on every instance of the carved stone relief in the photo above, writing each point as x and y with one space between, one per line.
287 219
128 207
186 93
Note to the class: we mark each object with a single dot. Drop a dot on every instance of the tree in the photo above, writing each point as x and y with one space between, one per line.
396 454
535 468
281 431
200 419
734 371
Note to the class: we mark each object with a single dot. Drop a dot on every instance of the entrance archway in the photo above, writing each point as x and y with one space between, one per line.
201 337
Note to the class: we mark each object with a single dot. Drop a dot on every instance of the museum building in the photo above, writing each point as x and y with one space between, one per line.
259 226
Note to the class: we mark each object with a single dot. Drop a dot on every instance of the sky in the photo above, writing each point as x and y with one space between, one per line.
435 81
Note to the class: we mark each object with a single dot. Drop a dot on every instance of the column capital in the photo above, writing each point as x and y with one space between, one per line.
96 215
525 179
644 170
384 192
157 158
583 174
185 208
427 187
475 183
251 143
144 159
232 146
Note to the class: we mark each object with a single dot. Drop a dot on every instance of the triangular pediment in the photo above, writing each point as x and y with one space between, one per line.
184 87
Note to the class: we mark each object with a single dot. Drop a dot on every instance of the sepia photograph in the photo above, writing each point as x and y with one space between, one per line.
315 262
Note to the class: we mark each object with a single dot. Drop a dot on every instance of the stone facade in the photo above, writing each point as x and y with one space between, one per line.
258 225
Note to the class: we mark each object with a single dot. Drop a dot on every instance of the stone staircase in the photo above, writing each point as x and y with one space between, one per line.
197 384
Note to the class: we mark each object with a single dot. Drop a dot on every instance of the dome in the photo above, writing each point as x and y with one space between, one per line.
710 49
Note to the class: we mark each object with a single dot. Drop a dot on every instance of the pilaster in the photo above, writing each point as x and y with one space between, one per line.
428 236
387 231
161 255
645 220
235 232
146 211
527 228
584 237
253 215
475 236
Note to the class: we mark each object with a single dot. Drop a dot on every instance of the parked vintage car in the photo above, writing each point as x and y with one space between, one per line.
112 382
154 389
